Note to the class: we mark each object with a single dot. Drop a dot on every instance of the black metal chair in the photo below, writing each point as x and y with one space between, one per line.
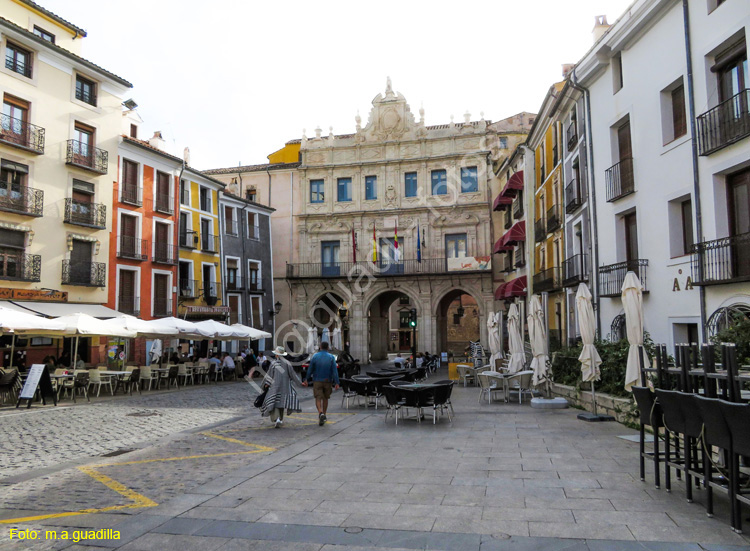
394 399
715 434
8 384
674 423
442 401
412 400
650 415
347 393
695 457
737 417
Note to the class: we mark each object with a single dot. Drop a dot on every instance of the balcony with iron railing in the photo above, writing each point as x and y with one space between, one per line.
506 264
189 239
612 277
571 135
553 218
83 213
572 196
725 260
132 194
86 274
163 203
22 200
540 230
188 288
233 282
547 280
255 286
162 307
385 268
20 267
129 304
211 292
88 157
21 134
132 248
209 243
517 208
725 124
18 64
164 253
619 180
575 270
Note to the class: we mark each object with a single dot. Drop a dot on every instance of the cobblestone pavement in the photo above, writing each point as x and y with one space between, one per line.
500 477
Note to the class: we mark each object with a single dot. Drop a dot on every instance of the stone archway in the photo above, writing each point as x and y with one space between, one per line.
459 318
383 323
329 311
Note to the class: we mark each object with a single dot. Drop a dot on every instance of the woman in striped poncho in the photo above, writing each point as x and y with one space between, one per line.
281 394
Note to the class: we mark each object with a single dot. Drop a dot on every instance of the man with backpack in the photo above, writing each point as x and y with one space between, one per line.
324 375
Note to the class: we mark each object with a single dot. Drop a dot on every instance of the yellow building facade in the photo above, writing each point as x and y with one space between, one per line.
199 273
548 216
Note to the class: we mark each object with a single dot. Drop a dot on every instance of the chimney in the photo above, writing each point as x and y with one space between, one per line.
157 141
567 68
600 27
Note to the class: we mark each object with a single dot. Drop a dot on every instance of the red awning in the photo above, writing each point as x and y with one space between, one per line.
499 292
515 288
500 248
502 202
516 233
515 183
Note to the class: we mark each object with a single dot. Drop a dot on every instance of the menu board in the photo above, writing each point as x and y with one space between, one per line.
37 378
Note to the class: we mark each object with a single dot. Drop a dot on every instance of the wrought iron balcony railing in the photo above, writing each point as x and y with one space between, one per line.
81 213
162 307
21 134
619 180
571 135
132 248
209 243
21 267
211 292
575 270
517 208
163 203
188 288
132 194
540 230
547 280
233 282
725 260
87 156
87 274
384 268
612 277
725 124
22 200
189 239
129 304
165 253
553 218
572 196
255 286
86 95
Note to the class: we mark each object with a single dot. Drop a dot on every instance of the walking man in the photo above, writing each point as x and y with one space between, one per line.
324 375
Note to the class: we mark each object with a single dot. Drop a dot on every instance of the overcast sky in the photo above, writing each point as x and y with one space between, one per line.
234 80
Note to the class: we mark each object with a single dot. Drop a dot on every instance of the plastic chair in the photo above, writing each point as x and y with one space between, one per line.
96 378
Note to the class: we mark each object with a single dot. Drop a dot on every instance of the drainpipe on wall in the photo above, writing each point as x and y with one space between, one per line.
592 194
179 203
694 149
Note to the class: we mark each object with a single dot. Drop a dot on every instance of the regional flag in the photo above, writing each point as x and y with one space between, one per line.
396 252
419 245
374 245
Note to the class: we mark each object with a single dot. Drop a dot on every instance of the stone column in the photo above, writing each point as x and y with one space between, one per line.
358 331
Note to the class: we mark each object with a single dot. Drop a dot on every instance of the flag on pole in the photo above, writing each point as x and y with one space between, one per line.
354 246
396 252
419 245
374 245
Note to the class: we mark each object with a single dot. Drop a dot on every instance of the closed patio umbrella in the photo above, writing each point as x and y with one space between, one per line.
496 342
312 333
326 336
632 302
517 356
336 337
589 357
538 341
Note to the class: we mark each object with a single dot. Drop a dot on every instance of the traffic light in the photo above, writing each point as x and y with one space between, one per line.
413 317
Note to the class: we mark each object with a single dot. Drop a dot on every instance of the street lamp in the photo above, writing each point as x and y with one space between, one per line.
342 312
276 309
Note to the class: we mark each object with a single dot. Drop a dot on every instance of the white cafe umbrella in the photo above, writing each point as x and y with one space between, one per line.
182 328
142 327
326 337
79 324
496 342
632 302
251 333
538 340
16 322
517 356
221 331
589 358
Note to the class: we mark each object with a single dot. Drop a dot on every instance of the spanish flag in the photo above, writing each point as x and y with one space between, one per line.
374 245
396 252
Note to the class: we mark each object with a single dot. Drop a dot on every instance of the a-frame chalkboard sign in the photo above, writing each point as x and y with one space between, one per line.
38 378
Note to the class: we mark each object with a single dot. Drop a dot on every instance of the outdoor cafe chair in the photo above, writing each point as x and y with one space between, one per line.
128 381
716 434
650 415
347 393
488 385
737 417
149 376
171 377
8 382
79 382
412 400
675 425
96 378
466 373
185 373
394 399
519 382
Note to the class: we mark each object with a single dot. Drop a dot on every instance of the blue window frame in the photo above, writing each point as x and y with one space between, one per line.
344 189
329 258
316 191
469 180
439 182
371 188
410 184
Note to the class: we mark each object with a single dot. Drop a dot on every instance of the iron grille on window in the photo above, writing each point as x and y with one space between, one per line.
18 60
553 218
88 274
20 267
725 260
209 243
131 194
572 135
83 213
162 307
188 239
165 253
163 203
129 304
21 134
86 156
133 248
575 270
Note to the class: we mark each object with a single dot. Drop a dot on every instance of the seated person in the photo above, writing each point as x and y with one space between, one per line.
227 363
399 361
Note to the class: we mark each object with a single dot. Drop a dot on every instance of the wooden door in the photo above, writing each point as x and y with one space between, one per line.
739 218
162 192
126 299
161 243
80 262
127 235
161 295
631 237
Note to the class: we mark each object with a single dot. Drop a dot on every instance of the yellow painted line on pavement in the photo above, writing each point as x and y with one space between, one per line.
258 447
135 497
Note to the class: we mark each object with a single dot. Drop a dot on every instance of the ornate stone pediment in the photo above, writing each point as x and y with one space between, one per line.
456 219
329 227
390 118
